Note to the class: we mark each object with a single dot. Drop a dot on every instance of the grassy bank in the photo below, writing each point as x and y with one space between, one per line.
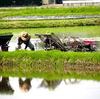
49 23
40 11
82 31
52 64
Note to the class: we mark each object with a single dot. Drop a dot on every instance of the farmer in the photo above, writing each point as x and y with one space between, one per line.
25 38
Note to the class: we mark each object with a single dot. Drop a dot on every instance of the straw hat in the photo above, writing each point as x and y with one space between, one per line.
24 36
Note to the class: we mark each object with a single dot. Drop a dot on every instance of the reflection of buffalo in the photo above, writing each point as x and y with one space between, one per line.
50 84
25 85
5 87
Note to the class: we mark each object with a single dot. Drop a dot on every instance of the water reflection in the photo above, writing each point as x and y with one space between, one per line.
5 87
72 81
50 84
27 88
53 84
25 85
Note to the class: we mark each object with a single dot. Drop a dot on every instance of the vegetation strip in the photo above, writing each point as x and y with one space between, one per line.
43 63
49 23
80 31
42 11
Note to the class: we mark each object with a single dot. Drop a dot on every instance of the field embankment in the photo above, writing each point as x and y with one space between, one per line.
45 63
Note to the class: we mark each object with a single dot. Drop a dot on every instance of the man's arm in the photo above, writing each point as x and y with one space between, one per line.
19 43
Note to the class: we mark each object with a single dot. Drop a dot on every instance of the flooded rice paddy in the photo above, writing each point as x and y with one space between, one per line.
16 88
29 88
50 17
38 44
13 44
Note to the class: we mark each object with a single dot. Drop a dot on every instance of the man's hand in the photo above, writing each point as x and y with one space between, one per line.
19 47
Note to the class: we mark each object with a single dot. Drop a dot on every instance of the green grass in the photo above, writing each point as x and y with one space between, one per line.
48 23
82 31
40 11
52 64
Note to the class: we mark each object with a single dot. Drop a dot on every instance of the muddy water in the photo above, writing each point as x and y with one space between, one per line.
16 88
50 17
38 45
36 42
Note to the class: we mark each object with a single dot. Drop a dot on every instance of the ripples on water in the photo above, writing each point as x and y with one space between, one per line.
14 88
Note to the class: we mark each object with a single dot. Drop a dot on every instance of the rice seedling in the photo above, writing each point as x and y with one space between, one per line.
48 23
40 11
80 31
55 63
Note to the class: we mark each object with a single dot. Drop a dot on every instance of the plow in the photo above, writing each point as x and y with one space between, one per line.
52 41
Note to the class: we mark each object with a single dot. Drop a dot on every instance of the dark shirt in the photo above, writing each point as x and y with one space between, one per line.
20 41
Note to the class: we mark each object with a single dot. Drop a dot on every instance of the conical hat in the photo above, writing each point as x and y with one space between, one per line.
24 36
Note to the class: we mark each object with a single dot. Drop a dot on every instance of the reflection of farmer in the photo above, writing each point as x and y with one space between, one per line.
50 84
25 85
25 38
5 86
